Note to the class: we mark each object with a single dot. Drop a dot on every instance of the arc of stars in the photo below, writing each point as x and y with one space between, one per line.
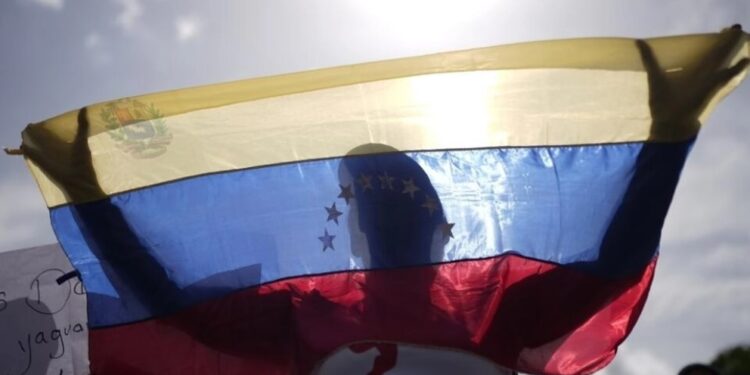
386 183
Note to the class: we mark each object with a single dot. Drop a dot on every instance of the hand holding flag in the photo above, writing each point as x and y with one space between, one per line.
679 95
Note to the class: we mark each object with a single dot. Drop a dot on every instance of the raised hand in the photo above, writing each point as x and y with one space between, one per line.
68 164
679 95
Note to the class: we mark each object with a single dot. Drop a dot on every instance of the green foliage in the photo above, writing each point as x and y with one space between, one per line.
733 361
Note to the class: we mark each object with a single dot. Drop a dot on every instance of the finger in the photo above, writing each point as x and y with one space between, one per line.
81 153
656 78
647 55
729 41
735 26
727 74
717 82
86 185
82 132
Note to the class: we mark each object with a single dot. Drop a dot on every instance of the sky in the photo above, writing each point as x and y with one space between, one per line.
58 55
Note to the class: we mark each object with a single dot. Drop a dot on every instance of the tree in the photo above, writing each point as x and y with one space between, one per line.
733 361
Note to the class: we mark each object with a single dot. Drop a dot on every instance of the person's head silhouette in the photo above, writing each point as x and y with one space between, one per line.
395 207
396 221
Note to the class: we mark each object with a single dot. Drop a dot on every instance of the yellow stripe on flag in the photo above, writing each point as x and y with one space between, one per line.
568 92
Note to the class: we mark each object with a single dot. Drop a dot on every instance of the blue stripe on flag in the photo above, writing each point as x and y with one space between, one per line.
217 233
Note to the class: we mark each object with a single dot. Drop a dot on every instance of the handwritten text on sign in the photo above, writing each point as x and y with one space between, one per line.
42 323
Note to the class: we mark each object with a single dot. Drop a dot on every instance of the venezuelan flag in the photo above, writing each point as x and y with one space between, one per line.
505 201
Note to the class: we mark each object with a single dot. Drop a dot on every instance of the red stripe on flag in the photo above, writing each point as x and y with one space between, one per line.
525 314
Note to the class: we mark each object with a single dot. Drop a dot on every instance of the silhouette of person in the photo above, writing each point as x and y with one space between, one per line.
397 211
398 230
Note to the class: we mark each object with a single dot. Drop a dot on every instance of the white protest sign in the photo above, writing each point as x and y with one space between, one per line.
42 323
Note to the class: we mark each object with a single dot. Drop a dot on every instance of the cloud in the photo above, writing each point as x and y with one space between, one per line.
51 4
128 17
96 49
92 40
187 28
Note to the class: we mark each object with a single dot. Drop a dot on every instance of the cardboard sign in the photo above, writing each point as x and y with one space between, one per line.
42 323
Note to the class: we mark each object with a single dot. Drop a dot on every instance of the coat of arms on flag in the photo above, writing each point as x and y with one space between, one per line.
138 128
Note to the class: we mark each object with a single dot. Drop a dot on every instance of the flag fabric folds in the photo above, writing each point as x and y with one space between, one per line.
505 201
